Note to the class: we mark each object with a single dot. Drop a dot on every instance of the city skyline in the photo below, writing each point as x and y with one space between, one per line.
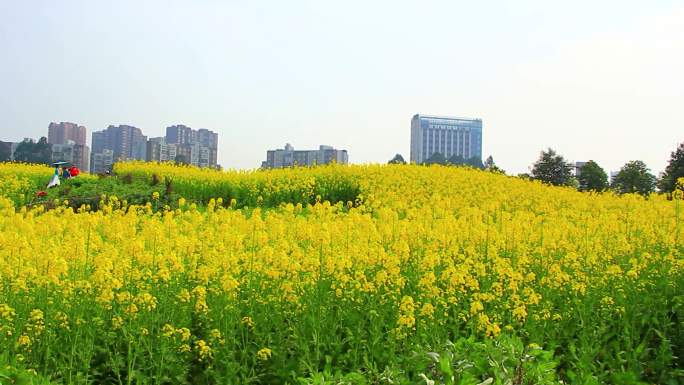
352 75
212 158
67 142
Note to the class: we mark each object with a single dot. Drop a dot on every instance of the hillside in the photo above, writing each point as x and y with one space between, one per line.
360 274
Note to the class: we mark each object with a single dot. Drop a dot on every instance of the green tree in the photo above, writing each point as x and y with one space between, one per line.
436 158
553 169
592 177
634 177
475 162
490 166
489 162
31 152
456 160
24 151
43 151
398 159
673 171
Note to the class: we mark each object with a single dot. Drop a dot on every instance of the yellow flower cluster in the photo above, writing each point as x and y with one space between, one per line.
203 350
264 354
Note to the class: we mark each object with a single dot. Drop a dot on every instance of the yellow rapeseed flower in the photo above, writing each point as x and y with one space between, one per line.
264 354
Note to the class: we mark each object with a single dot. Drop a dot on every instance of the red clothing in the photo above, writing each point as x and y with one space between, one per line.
74 171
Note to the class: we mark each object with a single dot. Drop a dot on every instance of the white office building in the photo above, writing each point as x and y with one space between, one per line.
448 136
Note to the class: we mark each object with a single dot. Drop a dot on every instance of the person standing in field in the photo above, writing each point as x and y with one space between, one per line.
55 179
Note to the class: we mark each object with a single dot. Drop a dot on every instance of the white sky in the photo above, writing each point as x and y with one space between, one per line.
593 80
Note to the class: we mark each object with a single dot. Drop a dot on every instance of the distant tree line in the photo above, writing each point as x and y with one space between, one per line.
30 151
633 177
438 158
552 168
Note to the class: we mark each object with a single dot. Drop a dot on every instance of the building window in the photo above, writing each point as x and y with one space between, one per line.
450 145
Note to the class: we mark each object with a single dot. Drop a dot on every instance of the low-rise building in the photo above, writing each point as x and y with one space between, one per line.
7 150
289 157
102 161
76 154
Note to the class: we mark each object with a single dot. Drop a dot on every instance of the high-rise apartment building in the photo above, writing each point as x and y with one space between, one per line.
288 157
160 151
125 143
179 134
196 147
208 152
68 141
63 132
207 138
445 135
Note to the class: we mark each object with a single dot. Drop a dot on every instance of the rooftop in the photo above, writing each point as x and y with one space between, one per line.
445 117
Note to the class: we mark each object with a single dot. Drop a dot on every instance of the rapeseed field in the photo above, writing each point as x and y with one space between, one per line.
373 274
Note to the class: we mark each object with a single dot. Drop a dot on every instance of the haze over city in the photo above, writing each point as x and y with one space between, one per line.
599 81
